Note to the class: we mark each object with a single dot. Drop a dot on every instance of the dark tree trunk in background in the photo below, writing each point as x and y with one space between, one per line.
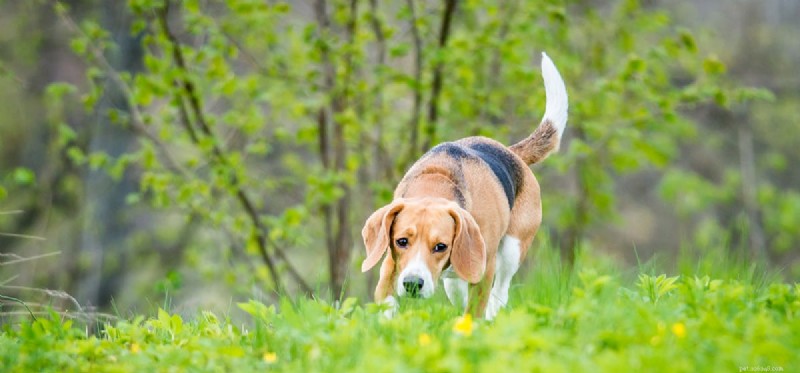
747 166
747 158
438 77
333 146
575 232
107 219
418 64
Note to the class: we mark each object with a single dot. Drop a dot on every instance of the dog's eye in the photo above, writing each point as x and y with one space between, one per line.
439 247
402 242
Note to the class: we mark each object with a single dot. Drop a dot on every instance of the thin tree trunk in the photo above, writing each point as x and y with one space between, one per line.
575 233
754 13
494 74
106 226
381 164
417 92
339 231
438 76
757 242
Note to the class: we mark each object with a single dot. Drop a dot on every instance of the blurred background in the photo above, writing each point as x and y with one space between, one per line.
197 153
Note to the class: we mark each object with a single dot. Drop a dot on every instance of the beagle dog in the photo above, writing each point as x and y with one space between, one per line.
465 212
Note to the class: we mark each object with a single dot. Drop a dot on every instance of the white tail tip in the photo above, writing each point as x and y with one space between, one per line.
557 101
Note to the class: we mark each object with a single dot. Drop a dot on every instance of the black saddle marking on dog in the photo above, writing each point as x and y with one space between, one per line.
499 159
503 165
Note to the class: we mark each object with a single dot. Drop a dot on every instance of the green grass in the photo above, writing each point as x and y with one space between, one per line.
599 319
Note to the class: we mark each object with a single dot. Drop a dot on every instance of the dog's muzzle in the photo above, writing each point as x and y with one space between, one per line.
415 280
413 286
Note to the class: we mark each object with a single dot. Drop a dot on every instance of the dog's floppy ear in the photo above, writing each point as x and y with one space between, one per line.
468 256
376 233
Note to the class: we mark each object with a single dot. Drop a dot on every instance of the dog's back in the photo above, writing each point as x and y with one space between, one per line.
477 155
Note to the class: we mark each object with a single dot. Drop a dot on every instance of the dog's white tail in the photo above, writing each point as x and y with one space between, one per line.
547 137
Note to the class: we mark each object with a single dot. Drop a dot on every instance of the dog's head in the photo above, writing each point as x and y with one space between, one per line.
424 236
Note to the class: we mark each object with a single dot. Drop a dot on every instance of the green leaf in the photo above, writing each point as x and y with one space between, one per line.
76 155
59 90
687 40
281 7
247 307
132 198
65 134
79 46
348 306
257 310
23 176
713 66
98 160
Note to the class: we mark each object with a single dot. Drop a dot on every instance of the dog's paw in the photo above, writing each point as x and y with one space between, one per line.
392 307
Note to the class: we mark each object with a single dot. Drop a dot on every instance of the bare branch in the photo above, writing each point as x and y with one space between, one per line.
291 268
15 300
17 235
87 316
51 293
381 162
8 280
19 259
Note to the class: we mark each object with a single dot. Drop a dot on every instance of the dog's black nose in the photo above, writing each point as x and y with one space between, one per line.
413 285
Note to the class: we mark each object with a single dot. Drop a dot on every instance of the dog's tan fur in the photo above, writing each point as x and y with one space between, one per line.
462 206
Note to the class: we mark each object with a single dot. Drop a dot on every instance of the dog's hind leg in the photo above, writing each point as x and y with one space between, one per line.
506 265
526 216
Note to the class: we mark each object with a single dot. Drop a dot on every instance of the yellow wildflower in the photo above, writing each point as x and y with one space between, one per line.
270 357
424 339
464 325
135 348
679 329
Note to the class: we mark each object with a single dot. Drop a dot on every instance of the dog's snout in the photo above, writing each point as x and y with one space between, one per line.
413 285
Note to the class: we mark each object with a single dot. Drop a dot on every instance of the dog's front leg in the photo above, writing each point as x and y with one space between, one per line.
457 290
479 293
384 291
